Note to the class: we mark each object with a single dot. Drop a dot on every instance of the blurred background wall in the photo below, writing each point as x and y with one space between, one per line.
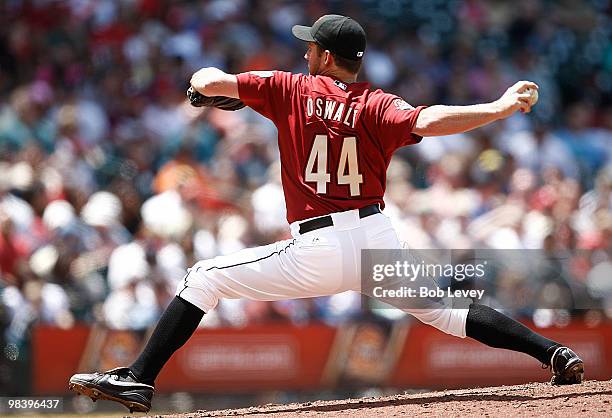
111 185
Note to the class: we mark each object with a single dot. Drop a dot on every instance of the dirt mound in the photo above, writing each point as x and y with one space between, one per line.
535 399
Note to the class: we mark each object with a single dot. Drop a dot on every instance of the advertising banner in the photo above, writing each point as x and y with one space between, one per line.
313 357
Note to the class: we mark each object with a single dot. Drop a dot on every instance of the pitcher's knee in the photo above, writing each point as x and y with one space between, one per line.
196 288
451 321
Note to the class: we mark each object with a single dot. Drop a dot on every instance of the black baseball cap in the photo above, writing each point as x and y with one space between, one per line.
339 34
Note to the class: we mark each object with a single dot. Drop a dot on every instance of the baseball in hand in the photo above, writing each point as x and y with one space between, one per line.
534 96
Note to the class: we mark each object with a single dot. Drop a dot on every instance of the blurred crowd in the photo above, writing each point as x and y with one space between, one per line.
112 185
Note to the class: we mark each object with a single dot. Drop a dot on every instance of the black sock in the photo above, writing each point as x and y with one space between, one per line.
495 329
176 325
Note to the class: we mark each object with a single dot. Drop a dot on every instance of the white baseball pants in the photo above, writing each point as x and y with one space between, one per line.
318 263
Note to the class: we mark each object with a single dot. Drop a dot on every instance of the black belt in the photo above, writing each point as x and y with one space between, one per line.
326 221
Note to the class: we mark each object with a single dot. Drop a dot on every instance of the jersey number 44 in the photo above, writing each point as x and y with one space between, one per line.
347 169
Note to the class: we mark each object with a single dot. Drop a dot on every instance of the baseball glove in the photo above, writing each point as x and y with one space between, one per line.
197 99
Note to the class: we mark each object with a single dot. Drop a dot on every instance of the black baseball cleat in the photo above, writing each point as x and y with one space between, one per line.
567 367
119 385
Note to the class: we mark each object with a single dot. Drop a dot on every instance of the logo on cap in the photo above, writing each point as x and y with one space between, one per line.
360 54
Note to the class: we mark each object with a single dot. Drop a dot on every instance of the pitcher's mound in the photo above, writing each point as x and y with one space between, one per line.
590 399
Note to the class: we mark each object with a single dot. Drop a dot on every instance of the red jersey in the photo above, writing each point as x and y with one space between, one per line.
335 139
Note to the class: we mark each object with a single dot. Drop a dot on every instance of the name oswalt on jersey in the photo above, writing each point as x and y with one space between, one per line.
333 110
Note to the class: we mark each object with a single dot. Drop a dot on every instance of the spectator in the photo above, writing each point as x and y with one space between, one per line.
112 185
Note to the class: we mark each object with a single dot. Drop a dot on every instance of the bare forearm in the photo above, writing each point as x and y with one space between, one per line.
447 120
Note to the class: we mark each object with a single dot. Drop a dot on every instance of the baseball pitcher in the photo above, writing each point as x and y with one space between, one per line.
336 137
